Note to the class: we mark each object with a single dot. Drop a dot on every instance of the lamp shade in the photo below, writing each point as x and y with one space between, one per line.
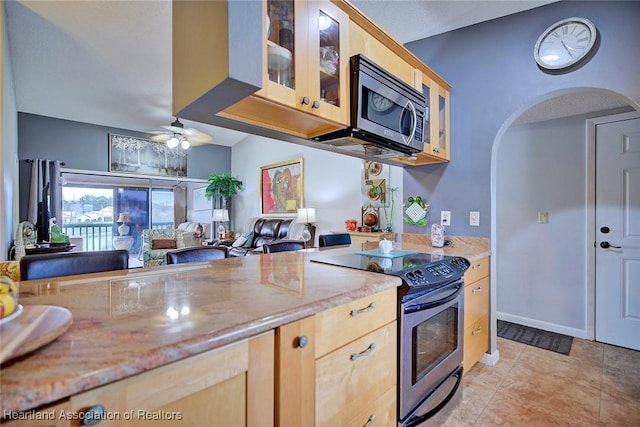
123 217
306 215
220 215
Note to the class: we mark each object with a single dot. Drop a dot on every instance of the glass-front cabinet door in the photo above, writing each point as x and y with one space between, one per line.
306 57
443 124
328 61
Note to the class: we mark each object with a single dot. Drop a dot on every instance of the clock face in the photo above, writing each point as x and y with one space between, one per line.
565 43
379 103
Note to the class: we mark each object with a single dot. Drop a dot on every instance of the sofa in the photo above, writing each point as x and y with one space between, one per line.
263 230
157 242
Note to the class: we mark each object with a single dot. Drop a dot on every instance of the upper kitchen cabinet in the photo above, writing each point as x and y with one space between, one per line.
306 58
297 50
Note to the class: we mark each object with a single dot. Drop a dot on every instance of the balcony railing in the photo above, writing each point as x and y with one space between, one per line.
98 236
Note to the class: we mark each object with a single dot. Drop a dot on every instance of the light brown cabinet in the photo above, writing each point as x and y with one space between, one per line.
476 312
345 373
230 386
305 70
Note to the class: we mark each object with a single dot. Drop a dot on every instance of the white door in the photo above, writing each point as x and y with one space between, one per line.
617 317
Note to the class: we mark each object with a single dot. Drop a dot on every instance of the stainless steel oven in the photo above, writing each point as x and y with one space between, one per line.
430 351
430 328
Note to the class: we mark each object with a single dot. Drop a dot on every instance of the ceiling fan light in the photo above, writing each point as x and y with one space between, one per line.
185 143
172 142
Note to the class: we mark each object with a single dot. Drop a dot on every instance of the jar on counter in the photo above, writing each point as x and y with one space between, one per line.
350 224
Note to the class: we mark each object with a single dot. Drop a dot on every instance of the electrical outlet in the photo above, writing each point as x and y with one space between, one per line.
474 218
445 217
543 217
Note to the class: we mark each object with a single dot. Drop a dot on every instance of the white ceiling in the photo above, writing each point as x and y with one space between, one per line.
109 62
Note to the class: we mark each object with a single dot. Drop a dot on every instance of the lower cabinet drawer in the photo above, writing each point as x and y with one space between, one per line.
476 342
342 324
351 378
476 301
382 412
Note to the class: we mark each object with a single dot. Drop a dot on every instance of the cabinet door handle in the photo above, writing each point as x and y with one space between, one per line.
370 421
315 105
303 341
305 100
477 266
367 309
367 352
93 415
477 331
476 290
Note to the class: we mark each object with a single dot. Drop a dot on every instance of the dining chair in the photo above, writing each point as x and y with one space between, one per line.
334 239
42 266
283 245
197 254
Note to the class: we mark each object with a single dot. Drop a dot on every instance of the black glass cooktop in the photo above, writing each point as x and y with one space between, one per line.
416 269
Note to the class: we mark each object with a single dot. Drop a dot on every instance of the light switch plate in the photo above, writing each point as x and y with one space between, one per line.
474 218
543 217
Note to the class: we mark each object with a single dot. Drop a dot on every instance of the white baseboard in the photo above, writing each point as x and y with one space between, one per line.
490 359
534 323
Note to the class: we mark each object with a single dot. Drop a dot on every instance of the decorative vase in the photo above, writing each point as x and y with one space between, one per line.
123 229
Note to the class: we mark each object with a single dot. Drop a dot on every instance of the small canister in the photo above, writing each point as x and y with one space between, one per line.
437 235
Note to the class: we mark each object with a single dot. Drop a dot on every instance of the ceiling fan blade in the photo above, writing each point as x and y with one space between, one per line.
196 136
162 137
176 129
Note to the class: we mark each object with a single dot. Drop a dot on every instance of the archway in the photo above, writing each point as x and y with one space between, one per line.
539 165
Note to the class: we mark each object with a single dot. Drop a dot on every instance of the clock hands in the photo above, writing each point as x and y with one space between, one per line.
568 48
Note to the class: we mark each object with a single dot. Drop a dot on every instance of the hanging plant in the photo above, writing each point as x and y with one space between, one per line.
416 211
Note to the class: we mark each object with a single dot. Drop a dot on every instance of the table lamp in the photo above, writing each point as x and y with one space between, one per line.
221 216
308 216
123 218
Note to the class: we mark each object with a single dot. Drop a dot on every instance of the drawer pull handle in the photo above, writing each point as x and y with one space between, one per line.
478 289
477 331
367 352
477 266
367 309
370 421
93 415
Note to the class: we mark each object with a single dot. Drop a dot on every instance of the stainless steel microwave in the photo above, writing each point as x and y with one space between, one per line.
387 115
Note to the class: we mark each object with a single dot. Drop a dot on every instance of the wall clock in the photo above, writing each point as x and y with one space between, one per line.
565 45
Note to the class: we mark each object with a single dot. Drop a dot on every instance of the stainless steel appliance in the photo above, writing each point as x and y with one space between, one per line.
387 115
430 327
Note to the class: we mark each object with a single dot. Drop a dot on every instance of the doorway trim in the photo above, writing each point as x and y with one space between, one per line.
591 212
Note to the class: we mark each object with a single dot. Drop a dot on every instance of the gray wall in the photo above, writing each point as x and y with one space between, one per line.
494 76
85 146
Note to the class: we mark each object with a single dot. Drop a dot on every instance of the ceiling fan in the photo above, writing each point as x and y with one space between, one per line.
176 134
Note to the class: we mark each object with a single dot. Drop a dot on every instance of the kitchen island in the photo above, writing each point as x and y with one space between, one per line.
137 322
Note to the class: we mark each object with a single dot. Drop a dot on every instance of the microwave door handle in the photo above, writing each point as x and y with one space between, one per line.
415 122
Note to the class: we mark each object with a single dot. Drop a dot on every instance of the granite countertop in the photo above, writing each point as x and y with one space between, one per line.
128 322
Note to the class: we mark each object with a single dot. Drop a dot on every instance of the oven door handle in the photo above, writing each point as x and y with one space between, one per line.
427 305
416 420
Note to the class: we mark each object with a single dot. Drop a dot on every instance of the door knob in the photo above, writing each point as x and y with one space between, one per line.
604 230
315 105
607 245
305 100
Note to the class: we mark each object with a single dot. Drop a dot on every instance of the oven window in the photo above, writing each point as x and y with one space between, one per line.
433 341
385 112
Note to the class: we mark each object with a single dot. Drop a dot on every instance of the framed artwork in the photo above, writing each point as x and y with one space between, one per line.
200 201
282 188
143 156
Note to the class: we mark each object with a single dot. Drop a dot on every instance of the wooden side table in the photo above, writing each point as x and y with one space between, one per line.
374 236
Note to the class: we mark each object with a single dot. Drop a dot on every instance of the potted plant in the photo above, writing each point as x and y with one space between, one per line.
222 186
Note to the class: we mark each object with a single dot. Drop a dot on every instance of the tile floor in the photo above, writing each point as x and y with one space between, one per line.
596 385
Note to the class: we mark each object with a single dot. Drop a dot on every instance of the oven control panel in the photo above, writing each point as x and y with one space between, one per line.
435 273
